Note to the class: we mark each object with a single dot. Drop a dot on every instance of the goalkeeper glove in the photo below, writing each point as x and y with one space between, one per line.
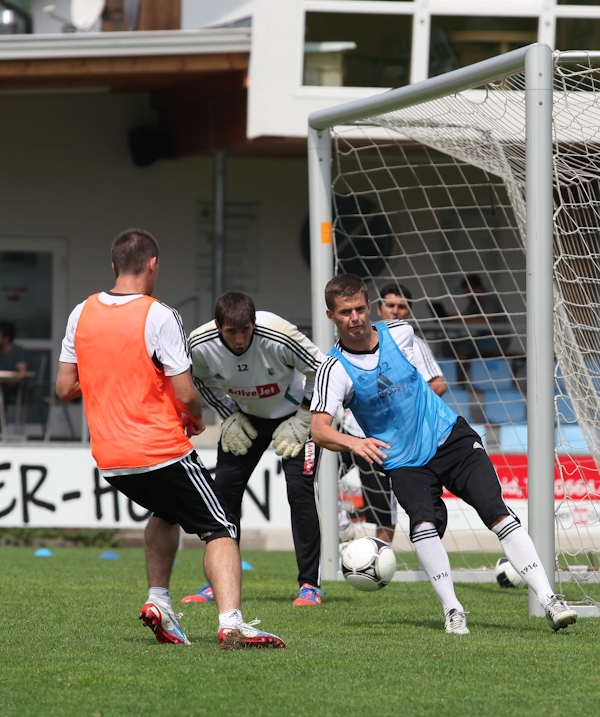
291 434
236 434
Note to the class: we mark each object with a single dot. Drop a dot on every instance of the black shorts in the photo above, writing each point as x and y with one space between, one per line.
377 494
181 493
463 467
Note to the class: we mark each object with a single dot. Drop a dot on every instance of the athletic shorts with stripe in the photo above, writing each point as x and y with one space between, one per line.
463 467
376 490
181 493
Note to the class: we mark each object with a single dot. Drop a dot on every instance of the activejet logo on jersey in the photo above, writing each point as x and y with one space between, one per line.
266 391
386 387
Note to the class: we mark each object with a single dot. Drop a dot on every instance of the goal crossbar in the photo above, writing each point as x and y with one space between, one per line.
537 63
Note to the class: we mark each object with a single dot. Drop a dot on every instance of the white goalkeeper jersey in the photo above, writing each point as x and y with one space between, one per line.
269 380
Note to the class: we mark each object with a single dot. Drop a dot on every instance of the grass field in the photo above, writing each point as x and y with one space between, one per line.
72 645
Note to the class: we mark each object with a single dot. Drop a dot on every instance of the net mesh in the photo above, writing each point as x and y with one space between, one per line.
433 197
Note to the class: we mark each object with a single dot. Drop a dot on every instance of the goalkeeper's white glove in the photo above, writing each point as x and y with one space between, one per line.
291 434
236 434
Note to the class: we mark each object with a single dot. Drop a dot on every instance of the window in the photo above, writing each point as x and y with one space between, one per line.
461 41
357 50
26 292
577 33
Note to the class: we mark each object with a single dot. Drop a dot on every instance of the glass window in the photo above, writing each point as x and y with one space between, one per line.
26 292
574 33
461 41
344 50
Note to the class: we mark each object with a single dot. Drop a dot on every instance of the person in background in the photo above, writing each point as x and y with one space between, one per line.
12 358
488 322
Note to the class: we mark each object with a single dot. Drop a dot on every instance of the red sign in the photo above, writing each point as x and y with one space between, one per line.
575 477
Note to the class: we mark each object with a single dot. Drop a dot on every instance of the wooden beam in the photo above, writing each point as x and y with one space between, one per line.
106 69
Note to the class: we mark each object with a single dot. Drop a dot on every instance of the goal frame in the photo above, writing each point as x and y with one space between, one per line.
537 62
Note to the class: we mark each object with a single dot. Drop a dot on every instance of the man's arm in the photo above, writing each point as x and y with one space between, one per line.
297 350
438 385
189 403
428 367
67 382
328 437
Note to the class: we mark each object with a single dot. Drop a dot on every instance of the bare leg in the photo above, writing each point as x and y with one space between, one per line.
162 540
223 569
385 533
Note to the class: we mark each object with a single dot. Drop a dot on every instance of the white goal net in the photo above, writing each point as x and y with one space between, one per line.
432 198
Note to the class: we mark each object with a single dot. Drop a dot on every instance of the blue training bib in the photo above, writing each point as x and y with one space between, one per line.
393 403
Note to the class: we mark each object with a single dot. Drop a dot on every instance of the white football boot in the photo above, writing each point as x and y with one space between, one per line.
456 623
559 614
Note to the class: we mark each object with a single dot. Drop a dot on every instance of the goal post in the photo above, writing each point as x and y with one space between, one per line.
537 64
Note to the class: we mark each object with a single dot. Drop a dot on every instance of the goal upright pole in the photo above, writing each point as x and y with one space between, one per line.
321 271
540 331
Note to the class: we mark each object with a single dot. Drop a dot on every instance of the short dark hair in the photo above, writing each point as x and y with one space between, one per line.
344 285
235 308
131 250
472 281
397 290
8 329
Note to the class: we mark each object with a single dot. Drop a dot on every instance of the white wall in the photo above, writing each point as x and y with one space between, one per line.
279 104
65 171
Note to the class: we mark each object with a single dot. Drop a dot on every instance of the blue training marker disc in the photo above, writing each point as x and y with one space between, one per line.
43 553
246 566
109 556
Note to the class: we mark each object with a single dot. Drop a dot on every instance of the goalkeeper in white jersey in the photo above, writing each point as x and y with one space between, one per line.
257 371
420 443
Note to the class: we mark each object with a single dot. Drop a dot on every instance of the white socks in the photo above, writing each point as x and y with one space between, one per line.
160 596
434 561
522 555
230 618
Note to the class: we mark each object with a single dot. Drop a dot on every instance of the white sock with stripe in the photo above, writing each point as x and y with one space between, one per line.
434 561
230 618
161 597
522 555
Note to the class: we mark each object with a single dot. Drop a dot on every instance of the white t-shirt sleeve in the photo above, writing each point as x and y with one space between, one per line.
166 338
297 350
403 334
67 352
164 335
424 360
333 387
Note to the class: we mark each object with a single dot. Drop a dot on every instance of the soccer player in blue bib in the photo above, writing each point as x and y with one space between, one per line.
422 445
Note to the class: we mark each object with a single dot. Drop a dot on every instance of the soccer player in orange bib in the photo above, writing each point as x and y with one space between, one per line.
126 354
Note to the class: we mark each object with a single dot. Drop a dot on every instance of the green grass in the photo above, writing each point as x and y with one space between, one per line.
72 645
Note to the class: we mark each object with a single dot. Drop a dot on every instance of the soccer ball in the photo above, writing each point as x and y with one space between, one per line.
368 564
507 576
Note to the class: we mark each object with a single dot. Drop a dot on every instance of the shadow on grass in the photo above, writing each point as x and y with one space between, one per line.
430 624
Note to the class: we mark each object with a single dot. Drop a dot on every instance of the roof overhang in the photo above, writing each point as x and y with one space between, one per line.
123 61
125 44
198 79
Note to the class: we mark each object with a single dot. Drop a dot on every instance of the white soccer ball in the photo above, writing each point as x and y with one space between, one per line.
507 576
368 564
